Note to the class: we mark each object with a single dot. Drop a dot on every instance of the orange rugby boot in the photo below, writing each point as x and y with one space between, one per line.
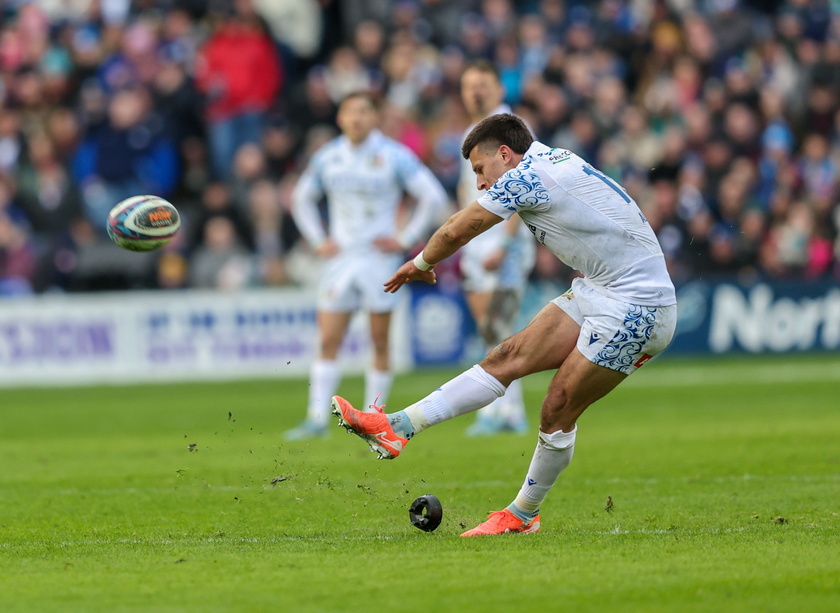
504 522
371 426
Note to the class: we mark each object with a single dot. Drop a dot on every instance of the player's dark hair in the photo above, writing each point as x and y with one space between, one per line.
497 130
364 95
483 65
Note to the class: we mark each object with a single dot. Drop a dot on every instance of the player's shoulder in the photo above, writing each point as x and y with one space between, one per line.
525 184
550 155
329 150
555 164
391 145
531 167
400 156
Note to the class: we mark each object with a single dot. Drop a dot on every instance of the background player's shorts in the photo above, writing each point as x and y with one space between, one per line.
618 335
353 282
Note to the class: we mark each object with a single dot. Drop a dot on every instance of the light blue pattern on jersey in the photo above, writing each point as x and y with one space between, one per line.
519 188
626 344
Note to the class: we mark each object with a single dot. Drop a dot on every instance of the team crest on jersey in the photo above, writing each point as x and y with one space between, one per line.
377 160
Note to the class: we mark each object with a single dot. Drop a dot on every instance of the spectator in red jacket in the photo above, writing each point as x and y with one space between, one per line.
239 72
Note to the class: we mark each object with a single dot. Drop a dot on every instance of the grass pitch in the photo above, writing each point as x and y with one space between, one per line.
696 486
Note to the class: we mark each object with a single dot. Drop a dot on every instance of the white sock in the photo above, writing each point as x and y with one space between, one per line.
493 411
467 392
377 383
512 404
552 455
324 377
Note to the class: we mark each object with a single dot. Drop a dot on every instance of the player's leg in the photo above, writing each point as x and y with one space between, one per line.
376 270
577 384
615 340
324 374
338 298
498 325
488 419
378 378
542 345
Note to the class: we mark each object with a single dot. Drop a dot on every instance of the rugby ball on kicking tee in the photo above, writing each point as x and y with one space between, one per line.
143 223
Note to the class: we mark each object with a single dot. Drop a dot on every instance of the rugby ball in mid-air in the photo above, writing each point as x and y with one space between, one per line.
143 223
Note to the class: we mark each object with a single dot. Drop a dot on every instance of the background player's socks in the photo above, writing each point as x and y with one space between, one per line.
512 409
377 387
324 377
553 453
467 392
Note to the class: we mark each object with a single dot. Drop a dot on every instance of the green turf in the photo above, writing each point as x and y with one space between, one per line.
724 479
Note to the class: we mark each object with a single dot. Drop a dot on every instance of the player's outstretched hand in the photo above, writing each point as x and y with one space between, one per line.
409 272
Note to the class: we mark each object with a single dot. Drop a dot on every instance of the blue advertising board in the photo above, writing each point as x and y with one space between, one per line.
723 317
441 324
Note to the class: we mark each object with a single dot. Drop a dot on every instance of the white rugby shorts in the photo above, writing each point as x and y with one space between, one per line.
615 334
352 282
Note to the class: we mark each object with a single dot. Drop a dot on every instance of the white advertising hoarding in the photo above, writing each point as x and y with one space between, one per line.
156 336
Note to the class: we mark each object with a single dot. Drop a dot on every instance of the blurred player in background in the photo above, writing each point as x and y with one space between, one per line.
613 320
363 175
496 263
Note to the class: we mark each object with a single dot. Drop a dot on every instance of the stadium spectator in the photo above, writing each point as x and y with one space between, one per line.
249 167
217 201
18 258
239 72
128 154
617 78
46 193
270 222
221 261
311 106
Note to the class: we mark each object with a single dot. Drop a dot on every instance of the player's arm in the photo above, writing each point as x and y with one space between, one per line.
305 197
424 187
458 230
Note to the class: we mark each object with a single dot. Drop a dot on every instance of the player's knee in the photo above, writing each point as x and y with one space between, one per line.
555 401
503 353
557 411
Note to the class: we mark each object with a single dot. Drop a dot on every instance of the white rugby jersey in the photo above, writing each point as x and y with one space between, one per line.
364 185
483 245
588 221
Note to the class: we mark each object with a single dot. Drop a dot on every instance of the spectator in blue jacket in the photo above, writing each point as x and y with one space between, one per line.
126 155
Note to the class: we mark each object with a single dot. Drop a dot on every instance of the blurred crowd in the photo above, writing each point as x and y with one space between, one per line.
720 117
